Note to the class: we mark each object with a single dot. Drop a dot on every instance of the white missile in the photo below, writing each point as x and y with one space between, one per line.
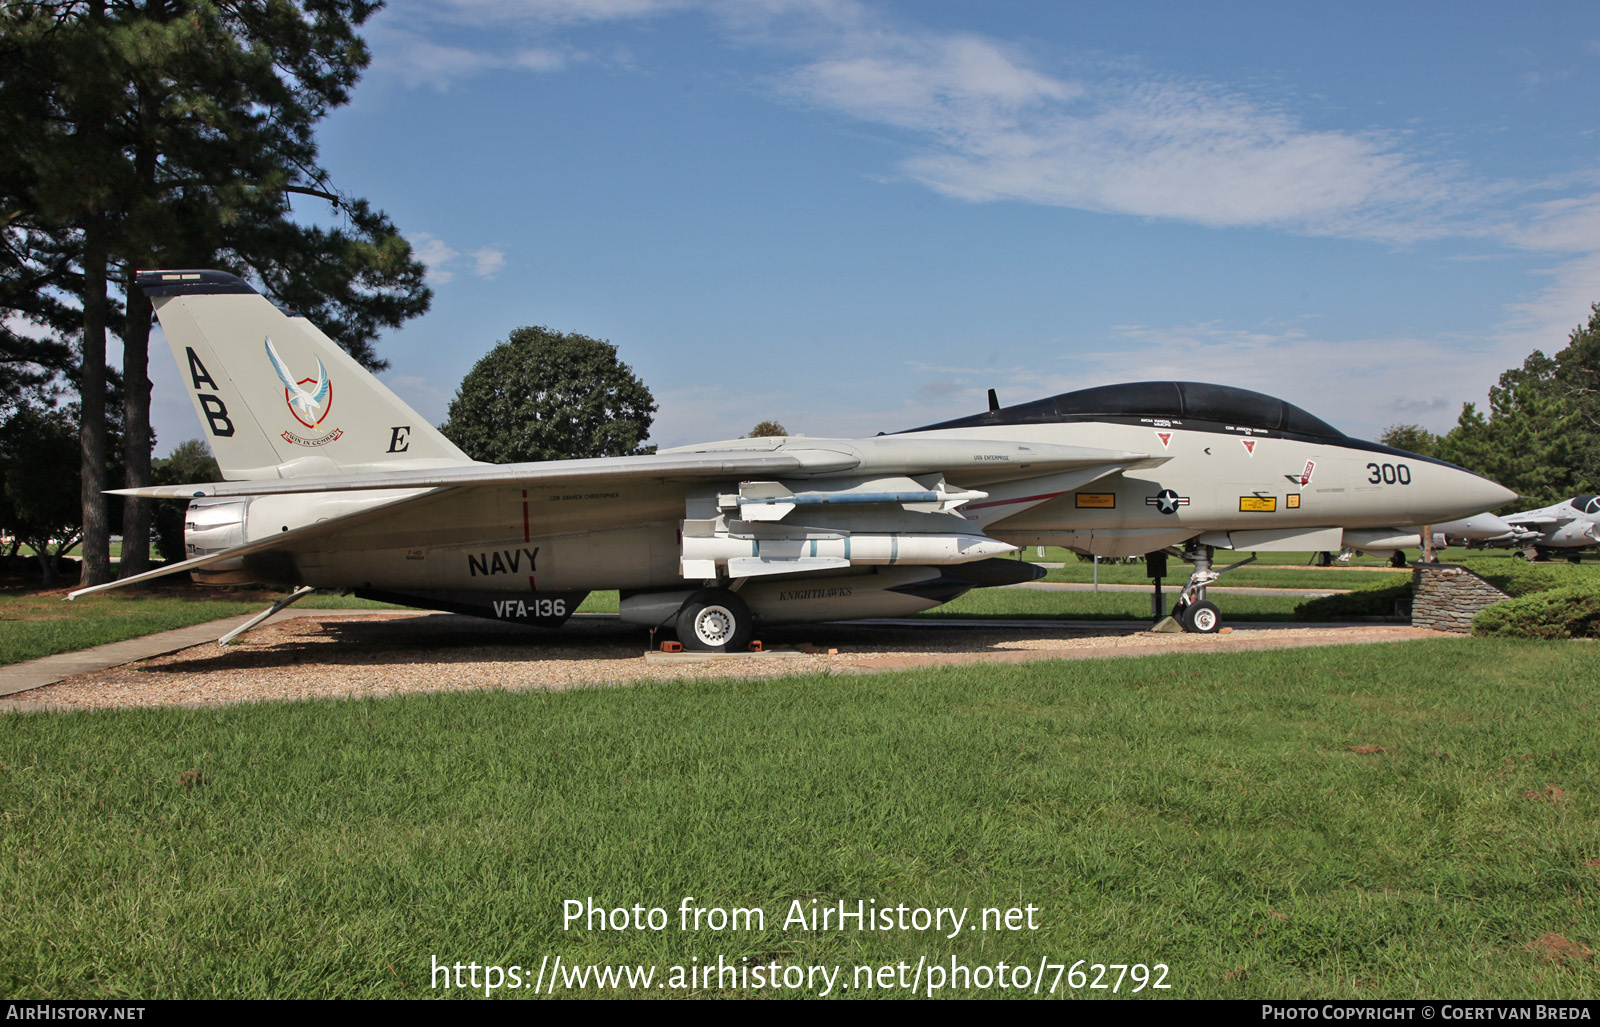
749 557
773 501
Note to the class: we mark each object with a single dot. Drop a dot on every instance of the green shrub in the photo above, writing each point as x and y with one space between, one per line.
1366 602
1517 578
1570 612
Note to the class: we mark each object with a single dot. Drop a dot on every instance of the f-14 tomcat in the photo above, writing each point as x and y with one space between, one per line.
333 482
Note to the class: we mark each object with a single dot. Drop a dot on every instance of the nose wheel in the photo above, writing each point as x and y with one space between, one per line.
1201 618
1193 611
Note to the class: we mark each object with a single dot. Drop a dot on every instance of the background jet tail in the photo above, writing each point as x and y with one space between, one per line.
276 397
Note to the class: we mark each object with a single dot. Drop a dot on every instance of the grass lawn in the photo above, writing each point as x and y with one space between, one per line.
34 624
1025 603
1418 819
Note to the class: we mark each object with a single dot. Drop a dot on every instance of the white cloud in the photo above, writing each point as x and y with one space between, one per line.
435 253
548 12
995 128
1544 320
488 261
443 260
411 54
1567 225
540 59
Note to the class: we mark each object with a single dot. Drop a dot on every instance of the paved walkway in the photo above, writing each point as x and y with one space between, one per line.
21 677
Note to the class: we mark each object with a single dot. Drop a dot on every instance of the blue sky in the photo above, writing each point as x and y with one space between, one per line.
857 217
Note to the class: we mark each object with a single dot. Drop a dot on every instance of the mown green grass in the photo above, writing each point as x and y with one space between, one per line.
1289 570
1057 554
35 626
1062 604
1245 577
1207 812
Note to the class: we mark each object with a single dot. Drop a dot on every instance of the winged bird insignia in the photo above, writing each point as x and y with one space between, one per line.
307 404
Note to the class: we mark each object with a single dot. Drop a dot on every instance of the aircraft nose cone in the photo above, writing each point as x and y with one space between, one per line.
1493 526
1480 493
984 548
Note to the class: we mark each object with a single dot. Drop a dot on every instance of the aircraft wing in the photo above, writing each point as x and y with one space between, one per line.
1543 522
795 457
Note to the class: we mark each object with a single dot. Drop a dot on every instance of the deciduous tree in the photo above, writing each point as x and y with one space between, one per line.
544 395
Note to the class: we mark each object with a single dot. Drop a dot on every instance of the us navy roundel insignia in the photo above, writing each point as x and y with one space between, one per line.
1167 501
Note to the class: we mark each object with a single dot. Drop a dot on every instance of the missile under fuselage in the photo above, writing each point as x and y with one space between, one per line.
848 549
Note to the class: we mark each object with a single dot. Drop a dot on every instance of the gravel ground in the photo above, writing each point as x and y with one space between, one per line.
387 654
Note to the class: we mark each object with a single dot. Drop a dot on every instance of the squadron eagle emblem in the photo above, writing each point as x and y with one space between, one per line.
310 400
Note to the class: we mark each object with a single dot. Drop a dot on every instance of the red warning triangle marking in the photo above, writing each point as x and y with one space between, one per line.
1165 437
1249 446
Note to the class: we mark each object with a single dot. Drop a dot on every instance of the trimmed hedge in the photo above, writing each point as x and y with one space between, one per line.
1516 578
1366 602
1570 612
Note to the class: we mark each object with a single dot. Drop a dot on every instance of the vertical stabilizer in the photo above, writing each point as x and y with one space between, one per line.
276 397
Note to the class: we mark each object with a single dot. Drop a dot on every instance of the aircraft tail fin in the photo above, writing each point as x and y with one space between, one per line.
276 397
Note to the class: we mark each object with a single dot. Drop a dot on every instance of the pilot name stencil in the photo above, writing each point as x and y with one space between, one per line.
501 561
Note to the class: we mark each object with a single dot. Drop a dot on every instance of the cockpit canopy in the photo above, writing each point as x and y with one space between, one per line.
1586 504
1175 401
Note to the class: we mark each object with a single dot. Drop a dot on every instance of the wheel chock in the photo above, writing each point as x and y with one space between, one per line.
1166 626
672 647
755 647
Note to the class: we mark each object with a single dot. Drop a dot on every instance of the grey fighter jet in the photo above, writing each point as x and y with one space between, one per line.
333 482
1570 526
1482 529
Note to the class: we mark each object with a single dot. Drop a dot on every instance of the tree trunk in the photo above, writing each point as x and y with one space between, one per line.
136 430
92 395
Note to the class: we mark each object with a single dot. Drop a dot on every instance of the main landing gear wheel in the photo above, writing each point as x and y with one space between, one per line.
1202 617
715 620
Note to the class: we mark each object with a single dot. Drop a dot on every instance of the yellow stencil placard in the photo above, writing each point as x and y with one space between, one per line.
1292 502
1258 504
1096 500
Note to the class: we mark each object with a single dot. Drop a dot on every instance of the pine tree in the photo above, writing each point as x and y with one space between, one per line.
147 133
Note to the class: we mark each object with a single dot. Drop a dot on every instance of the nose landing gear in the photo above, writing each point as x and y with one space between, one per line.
1193 611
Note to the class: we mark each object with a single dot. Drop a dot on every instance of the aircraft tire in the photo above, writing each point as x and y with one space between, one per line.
714 620
1201 618
1398 559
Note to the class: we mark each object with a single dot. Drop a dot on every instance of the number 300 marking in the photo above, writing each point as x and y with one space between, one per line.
1389 474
